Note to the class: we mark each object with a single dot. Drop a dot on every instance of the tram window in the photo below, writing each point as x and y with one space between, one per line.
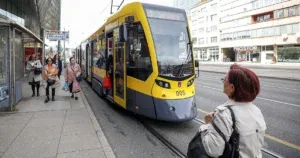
138 57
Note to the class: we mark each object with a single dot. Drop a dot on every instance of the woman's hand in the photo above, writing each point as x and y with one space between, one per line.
208 118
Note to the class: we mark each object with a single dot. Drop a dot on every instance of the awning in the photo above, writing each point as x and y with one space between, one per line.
9 22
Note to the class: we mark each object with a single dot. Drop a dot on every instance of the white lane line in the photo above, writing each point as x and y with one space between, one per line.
266 99
294 89
271 86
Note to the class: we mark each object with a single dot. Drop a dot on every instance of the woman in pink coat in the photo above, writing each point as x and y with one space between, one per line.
72 71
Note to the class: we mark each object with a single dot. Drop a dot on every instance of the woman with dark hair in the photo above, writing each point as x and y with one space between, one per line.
50 75
34 67
58 63
241 85
71 72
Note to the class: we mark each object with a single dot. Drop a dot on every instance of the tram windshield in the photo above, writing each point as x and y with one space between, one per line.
169 33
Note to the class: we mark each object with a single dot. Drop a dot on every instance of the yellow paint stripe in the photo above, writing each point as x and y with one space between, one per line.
269 137
283 142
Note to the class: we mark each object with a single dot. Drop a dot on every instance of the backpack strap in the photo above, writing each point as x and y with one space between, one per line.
233 124
233 118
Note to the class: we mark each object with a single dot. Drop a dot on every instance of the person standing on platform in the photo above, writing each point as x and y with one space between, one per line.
58 63
72 71
50 75
34 67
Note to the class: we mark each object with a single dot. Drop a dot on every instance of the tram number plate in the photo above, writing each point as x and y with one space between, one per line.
180 93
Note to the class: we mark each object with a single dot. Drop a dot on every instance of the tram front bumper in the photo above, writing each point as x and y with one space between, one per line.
178 110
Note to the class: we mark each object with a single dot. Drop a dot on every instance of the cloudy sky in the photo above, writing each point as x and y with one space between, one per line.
83 17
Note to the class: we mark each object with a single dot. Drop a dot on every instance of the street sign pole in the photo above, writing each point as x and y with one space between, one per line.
64 47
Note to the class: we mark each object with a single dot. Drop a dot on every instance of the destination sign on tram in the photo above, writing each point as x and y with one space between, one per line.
151 13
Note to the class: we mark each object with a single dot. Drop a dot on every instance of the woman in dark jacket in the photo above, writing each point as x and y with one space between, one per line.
58 63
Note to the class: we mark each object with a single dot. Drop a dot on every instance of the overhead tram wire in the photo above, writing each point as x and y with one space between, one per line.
105 8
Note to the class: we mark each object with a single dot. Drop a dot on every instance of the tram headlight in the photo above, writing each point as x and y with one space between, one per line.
163 84
190 82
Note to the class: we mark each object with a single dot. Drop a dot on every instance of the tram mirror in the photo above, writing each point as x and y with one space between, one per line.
123 33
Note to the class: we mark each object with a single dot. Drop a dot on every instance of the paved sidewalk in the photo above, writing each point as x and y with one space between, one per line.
65 128
278 71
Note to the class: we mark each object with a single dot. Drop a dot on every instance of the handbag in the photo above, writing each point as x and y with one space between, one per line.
37 71
79 77
50 82
106 82
196 149
75 87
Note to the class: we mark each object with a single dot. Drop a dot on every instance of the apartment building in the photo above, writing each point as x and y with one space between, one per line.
204 24
260 31
187 5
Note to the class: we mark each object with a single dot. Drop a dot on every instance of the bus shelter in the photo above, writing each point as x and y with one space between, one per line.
13 37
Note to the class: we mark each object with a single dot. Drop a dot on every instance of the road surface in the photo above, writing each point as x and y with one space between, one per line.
279 102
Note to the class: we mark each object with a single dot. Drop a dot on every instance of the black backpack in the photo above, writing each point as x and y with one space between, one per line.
196 149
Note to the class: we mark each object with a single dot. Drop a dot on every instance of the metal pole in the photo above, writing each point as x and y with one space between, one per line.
111 6
12 69
43 52
64 49
58 47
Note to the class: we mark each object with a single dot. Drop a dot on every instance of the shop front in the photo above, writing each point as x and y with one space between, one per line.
12 60
288 54
247 54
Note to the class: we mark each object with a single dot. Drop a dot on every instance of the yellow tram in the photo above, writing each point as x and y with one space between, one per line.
153 66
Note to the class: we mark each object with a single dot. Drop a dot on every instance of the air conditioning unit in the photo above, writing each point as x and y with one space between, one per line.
284 36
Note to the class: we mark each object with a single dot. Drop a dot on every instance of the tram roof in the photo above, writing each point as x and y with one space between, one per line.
123 12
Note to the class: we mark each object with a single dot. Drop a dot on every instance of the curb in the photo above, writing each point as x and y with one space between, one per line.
102 138
278 78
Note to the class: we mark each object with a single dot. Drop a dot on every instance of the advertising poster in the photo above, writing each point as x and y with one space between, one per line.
4 95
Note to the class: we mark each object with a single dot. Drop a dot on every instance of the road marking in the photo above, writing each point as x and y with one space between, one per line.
271 100
283 142
266 135
271 86
294 89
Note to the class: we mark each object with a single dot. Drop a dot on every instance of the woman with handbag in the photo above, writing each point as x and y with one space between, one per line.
73 77
50 76
34 67
236 128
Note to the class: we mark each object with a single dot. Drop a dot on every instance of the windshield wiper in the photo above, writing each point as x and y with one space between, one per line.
189 45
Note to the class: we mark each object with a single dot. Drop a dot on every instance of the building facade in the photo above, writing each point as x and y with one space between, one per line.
187 5
260 31
205 31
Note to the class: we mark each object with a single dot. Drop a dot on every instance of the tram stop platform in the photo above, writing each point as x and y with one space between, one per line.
65 128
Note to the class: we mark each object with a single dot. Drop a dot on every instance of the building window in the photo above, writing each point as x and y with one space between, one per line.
214 6
291 11
214 29
263 18
201 40
213 54
289 29
201 30
214 39
277 31
213 17
279 14
203 10
296 28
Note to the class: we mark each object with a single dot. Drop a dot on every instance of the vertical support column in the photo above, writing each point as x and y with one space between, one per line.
12 68
275 57
35 47
43 51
